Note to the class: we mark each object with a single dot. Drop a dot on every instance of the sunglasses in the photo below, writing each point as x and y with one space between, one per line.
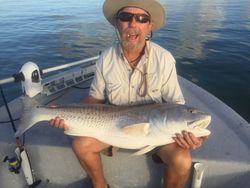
128 17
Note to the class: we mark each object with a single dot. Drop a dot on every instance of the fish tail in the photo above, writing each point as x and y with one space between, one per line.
29 115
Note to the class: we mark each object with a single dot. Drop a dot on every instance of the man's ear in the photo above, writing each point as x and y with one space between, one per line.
150 33
152 26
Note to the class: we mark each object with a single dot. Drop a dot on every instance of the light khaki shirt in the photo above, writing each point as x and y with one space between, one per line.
116 82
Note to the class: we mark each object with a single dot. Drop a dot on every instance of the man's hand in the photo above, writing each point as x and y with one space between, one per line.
59 123
187 140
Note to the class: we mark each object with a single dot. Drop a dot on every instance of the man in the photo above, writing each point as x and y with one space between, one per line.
135 71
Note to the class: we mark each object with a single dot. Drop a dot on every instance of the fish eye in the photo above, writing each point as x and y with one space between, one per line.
191 110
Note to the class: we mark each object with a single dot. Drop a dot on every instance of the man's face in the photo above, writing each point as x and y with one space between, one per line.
133 33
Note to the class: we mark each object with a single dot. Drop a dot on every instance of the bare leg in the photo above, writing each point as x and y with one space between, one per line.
88 151
178 163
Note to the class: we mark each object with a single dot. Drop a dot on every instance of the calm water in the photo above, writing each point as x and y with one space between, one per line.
210 40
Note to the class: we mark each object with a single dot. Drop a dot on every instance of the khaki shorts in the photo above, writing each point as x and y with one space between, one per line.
111 151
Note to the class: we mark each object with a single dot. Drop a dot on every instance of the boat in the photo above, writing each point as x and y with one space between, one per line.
43 157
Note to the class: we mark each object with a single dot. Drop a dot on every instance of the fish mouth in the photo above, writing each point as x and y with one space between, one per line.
201 123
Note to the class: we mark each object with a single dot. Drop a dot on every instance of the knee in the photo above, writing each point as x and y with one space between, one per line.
82 145
176 158
87 145
182 161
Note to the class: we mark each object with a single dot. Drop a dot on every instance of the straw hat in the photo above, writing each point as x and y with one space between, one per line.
153 7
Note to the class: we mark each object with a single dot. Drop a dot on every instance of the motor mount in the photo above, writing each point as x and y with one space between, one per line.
31 79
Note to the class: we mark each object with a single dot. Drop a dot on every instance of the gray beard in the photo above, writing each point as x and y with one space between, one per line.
130 48
126 45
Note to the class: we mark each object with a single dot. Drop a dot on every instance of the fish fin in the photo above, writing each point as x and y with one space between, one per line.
75 132
29 115
136 129
144 150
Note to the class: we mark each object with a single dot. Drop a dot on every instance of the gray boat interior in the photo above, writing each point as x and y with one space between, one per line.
225 155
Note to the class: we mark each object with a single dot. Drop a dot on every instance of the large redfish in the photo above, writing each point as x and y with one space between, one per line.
141 127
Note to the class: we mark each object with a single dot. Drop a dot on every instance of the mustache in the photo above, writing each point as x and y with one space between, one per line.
131 31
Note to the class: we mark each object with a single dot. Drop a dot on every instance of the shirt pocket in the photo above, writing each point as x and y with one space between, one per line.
113 92
154 87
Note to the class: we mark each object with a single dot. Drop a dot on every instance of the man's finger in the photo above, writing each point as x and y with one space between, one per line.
196 141
189 139
181 142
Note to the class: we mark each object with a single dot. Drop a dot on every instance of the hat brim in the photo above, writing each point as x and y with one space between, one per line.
153 7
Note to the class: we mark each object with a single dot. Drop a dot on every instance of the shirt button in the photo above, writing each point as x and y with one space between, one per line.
132 86
154 90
